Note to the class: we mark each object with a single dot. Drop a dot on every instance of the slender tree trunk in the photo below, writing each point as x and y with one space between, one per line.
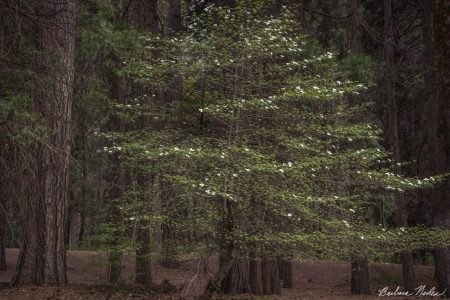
143 263
3 202
393 138
281 264
170 259
301 15
441 209
255 275
116 179
43 253
3 193
114 270
288 281
84 175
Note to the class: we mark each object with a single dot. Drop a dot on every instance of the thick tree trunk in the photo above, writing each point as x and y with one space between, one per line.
236 281
441 208
144 15
270 276
442 264
175 21
236 263
353 35
393 138
170 259
43 252
360 284
213 285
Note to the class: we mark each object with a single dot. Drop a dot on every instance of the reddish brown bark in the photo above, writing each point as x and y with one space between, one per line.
288 280
441 205
143 263
144 15
43 254
392 137
3 202
353 34
255 276
360 283
270 276
175 21
236 281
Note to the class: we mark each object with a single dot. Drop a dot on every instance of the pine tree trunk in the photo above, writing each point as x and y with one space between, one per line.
442 265
114 270
255 275
170 259
236 281
281 265
144 15
3 192
143 263
288 281
360 284
43 252
2 224
270 276
175 21
441 209
82 209
393 138
116 178
353 35
213 285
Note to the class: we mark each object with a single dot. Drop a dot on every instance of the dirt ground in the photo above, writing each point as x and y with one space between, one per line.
312 280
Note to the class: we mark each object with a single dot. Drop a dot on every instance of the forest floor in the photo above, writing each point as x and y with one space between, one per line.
312 280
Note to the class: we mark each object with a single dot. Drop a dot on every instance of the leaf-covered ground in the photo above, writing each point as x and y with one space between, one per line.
312 280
